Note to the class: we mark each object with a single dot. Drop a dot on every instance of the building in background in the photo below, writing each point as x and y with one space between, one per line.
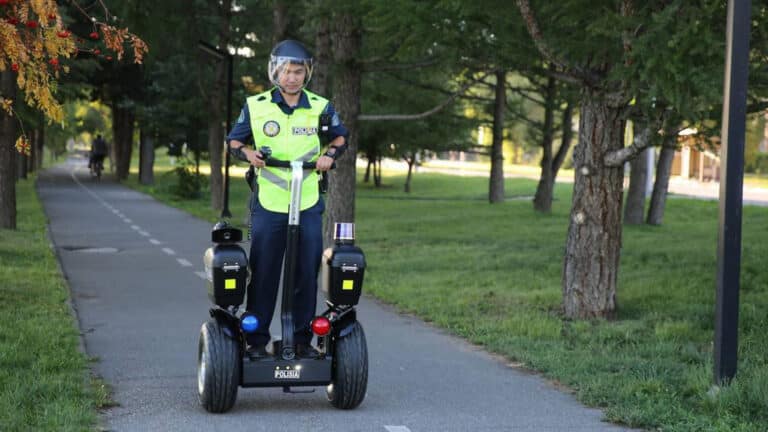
693 162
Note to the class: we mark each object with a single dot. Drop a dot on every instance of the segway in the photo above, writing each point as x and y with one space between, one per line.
223 364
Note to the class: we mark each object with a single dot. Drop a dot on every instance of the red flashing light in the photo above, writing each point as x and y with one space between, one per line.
321 326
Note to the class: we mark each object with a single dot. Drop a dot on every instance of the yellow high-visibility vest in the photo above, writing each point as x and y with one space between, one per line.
291 137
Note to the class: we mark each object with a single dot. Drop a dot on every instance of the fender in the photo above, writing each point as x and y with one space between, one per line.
229 323
343 326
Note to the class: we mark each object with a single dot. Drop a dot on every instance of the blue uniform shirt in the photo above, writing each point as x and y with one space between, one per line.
241 130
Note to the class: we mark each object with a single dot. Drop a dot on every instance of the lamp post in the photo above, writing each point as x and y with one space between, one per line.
731 185
220 54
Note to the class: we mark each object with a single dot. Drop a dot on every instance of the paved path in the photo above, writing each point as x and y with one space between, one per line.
133 266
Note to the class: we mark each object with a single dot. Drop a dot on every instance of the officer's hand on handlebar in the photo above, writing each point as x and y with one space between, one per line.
324 163
255 158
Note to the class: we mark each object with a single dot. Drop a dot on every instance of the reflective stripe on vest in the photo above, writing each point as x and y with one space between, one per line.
291 137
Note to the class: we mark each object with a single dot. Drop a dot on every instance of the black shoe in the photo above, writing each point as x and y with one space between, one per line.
256 352
307 351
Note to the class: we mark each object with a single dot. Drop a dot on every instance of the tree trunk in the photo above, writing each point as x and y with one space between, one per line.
21 166
346 39
565 141
547 191
193 138
638 176
634 208
123 118
660 186
411 161
40 144
496 183
377 175
216 97
31 158
542 201
32 151
319 81
215 154
280 21
112 150
367 176
147 159
37 149
591 262
7 154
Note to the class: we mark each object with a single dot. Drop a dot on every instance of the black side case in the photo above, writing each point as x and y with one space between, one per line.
226 266
343 271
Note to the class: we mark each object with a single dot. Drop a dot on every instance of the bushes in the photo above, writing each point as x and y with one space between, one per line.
188 184
759 165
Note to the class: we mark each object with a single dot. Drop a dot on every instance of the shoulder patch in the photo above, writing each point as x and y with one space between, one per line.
261 98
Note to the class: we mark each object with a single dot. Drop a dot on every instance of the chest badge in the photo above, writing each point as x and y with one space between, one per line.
271 128
304 130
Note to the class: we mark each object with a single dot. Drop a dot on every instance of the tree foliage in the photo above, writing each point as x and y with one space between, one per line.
36 45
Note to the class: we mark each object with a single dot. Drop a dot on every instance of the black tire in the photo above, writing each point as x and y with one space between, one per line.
218 368
350 370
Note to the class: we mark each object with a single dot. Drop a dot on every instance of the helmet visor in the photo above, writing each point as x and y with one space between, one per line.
278 68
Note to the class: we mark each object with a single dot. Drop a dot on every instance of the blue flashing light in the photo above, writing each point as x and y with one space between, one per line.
249 324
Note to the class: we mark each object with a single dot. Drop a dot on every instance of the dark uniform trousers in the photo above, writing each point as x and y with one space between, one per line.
269 231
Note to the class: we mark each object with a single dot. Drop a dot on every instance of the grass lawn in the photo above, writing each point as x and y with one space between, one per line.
756 180
44 380
491 274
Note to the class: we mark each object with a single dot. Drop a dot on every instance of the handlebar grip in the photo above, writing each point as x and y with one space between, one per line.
277 163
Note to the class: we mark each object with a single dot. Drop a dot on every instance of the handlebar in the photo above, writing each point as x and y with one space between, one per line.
277 163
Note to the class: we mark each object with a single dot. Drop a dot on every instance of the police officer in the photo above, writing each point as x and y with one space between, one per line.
287 119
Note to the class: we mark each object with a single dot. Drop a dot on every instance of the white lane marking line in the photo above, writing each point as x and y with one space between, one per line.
397 429
92 193
169 251
116 211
